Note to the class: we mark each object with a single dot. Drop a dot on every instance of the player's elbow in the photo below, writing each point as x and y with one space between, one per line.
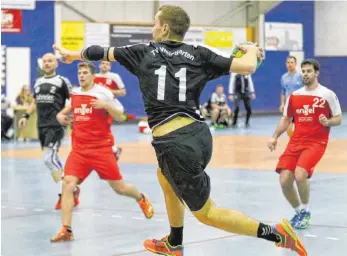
123 92
339 120
287 120
118 116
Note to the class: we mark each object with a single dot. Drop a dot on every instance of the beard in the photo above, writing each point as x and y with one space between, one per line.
49 72
308 82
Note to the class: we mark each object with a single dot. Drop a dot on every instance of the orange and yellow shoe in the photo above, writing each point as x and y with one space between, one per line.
58 205
62 236
76 198
163 247
146 207
289 239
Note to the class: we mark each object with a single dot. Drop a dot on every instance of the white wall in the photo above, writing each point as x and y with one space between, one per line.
201 12
330 28
17 70
110 11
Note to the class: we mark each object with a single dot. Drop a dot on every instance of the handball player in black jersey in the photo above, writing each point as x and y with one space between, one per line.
172 75
50 94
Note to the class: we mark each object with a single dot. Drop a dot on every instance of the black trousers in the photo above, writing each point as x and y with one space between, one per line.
247 102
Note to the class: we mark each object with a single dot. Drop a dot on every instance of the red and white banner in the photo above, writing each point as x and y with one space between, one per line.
11 21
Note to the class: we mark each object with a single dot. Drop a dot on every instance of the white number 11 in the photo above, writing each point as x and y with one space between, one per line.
181 74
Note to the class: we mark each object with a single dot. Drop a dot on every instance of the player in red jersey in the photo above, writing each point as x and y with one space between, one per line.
115 83
315 109
93 109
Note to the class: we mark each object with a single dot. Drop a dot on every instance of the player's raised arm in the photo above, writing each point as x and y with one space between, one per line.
218 63
91 53
129 56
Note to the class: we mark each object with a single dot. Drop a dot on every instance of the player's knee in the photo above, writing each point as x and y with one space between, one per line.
69 183
47 157
301 174
119 189
51 160
204 215
286 179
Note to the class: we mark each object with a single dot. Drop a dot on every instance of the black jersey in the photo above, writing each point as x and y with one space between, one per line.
50 94
172 76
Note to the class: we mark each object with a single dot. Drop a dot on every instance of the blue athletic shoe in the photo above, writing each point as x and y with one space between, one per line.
293 222
304 219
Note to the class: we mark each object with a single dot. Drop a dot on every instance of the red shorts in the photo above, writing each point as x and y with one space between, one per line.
303 154
81 163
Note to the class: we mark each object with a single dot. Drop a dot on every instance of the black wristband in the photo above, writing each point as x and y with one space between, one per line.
84 54
26 115
93 53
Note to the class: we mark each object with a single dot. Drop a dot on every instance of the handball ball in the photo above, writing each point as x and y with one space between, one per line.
237 53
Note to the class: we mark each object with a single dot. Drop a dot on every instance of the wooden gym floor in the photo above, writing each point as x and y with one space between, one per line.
242 177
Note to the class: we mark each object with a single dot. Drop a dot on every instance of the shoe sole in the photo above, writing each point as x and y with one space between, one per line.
288 228
149 217
305 226
62 241
160 253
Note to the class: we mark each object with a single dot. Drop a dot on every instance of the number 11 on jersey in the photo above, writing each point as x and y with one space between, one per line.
181 75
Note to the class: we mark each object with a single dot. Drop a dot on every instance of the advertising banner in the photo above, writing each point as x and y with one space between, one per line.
72 35
283 36
127 35
11 21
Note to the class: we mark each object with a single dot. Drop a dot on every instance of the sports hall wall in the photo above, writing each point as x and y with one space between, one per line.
267 79
38 34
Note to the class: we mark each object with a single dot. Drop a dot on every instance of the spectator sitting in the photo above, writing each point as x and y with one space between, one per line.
25 97
217 108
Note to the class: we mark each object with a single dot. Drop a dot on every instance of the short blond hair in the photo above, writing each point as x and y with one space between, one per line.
177 19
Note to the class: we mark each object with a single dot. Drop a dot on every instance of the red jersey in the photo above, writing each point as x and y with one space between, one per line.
306 106
91 127
110 80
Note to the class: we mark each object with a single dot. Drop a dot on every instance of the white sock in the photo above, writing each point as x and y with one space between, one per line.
60 186
297 209
305 207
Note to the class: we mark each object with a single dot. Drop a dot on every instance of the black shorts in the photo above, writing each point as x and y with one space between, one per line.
51 137
183 156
